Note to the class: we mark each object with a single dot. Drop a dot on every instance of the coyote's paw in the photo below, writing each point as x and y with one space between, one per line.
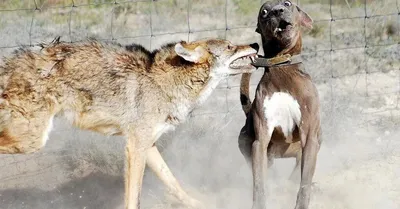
195 204
186 202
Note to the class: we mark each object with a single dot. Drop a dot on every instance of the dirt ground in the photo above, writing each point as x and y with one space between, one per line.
359 161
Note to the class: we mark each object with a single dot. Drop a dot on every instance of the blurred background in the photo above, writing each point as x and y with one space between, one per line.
352 54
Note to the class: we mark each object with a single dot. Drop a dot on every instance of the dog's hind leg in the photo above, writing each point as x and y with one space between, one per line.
245 145
308 163
246 139
157 164
295 173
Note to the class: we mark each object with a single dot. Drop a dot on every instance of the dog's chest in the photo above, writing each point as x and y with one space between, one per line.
282 110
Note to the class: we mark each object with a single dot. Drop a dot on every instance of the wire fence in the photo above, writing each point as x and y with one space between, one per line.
73 6
331 48
346 62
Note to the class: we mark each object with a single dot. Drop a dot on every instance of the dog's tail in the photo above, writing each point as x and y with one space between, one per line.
245 92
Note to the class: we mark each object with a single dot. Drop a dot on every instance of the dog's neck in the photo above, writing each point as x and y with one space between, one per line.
273 47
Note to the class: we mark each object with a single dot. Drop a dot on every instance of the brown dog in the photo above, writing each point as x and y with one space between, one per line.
284 119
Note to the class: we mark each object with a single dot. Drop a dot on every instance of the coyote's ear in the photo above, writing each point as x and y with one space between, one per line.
195 55
305 19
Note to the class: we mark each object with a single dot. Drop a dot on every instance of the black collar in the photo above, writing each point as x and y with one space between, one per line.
278 61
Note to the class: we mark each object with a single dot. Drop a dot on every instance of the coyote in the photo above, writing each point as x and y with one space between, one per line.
114 90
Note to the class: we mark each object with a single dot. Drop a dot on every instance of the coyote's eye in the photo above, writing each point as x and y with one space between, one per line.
288 3
230 47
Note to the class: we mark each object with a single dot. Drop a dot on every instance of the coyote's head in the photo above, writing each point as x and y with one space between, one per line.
224 57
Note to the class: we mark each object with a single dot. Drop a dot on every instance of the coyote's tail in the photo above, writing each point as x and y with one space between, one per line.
245 92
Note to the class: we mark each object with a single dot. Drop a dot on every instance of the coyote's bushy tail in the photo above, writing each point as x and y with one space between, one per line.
5 116
5 113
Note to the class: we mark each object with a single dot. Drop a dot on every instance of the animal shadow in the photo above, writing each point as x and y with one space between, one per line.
97 190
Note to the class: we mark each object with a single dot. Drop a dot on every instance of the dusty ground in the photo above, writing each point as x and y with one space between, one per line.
359 162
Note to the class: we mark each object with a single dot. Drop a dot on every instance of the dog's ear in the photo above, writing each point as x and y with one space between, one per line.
305 19
258 28
191 53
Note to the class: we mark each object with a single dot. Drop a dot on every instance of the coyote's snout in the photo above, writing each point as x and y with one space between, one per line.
227 59
114 90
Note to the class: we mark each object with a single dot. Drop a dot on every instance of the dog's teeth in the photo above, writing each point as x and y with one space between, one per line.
252 58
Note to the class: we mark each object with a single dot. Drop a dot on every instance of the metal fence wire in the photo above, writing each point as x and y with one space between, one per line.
365 18
336 58
39 6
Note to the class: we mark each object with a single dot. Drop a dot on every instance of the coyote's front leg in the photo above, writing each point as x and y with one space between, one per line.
135 164
160 168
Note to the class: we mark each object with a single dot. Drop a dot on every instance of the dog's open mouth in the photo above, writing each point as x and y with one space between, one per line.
244 61
283 26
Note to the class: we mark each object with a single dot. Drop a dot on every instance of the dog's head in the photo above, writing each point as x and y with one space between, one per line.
280 20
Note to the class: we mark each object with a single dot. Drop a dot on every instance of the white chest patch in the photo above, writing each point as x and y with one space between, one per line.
281 109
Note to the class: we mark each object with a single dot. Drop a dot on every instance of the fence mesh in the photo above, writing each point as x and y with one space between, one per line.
352 53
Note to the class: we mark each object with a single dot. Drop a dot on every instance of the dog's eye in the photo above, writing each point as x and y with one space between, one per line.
264 13
230 47
288 3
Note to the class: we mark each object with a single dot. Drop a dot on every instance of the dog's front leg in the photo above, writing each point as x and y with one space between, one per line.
259 161
308 163
158 165
136 162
